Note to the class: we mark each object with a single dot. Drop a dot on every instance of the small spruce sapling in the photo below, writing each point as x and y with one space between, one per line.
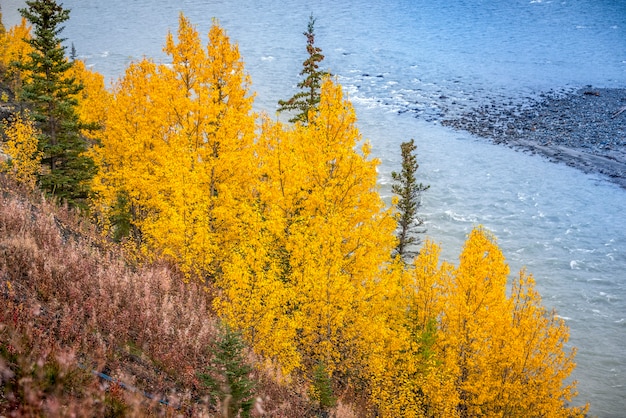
322 390
228 378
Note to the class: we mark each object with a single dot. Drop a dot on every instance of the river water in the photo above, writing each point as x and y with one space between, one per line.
406 64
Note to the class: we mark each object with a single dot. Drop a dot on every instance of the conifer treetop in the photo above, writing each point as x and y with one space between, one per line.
308 98
52 93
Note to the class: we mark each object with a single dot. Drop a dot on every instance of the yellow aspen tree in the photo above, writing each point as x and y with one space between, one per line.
14 49
213 128
259 298
21 147
507 353
321 210
258 295
127 183
476 305
339 254
93 100
407 377
184 230
541 362
464 348
177 152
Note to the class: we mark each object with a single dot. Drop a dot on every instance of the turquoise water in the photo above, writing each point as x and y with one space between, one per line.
396 60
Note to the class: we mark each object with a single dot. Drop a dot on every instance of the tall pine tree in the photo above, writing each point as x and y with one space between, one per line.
51 93
309 97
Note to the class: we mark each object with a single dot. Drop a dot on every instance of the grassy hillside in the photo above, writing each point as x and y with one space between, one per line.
84 333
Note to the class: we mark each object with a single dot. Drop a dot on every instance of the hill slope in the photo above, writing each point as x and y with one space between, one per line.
82 332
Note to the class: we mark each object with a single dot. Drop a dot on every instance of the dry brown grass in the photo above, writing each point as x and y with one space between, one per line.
71 306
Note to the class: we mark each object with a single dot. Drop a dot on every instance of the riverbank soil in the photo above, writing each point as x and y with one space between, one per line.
585 128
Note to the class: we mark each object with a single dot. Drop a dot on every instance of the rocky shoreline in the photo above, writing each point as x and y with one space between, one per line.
584 128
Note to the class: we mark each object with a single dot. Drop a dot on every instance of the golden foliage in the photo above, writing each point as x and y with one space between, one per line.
311 266
407 377
14 49
21 147
488 354
93 100
178 148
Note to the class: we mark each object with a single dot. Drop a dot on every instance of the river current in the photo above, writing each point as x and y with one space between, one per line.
406 64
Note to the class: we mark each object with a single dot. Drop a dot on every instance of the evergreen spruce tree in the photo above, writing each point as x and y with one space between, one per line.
309 96
322 390
228 378
409 193
73 53
52 96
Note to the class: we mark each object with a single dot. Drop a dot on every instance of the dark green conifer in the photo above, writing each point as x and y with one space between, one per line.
73 53
309 97
52 96
323 390
409 193
228 378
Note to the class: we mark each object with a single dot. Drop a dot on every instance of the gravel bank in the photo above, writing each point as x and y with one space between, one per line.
585 128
